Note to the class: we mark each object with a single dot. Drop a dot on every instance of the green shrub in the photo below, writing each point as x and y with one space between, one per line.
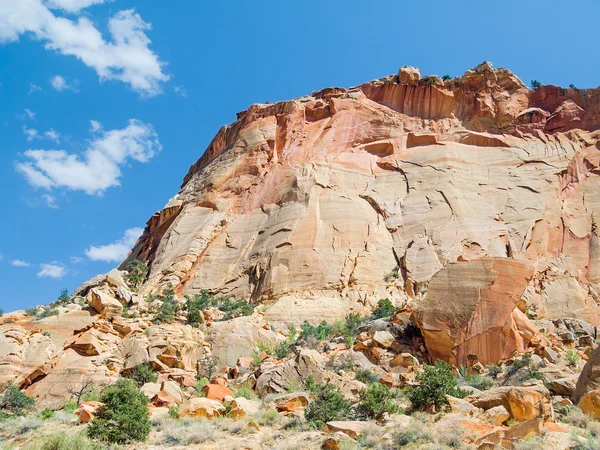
366 376
572 357
494 370
319 332
446 77
46 414
138 273
311 385
168 309
269 417
31 312
124 417
244 392
479 382
328 404
63 441
47 312
377 400
384 309
435 383
63 299
282 349
14 403
70 407
200 383
535 84
143 374
194 312
572 86
174 412
231 307
531 369
1 312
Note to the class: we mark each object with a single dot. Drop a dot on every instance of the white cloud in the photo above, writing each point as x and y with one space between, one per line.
180 90
59 83
127 57
76 260
96 126
52 270
99 168
52 135
50 201
34 88
72 6
117 251
20 263
31 133
30 114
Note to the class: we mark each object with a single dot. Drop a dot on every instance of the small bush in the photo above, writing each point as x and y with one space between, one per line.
319 332
366 376
244 392
535 84
143 374
531 370
435 383
208 366
231 307
173 412
63 441
194 312
168 309
376 401
138 273
572 86
14 403
329 404
282 349
31 312
63 299
124 417
384 309
479 382
187 432
269 417
446 77
494 370
20 425
46 414
47 312
418 433
200 384
572 357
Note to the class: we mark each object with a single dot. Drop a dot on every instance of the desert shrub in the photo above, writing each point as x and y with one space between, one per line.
366 376
535 84
572 86
47 312
435 383
328 404
230 307
311 385
572 357
173 412
208 366
384 309
244 391
530 369
479 382
200 383
393 275
494 370
63 299
319 332
377 400
31 312
92 396
1 312
63 441
269 417
71 407
187 432
137 274
418 433
17 426
341 362
124 417
143 374
194 311
46 414
573 416
169 307
446 77
14 403
283 349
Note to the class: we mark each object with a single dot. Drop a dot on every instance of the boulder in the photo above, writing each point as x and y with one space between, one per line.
589 403
383 339
291 402
107 306
496 415
352 428
217 392
460 406
200 407
409 75
87 411
522 403
589 379
242 407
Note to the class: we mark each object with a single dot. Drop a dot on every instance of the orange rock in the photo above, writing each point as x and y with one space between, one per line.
217 392
87 411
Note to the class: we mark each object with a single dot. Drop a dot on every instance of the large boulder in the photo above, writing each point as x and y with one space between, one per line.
106 305
521 402
589 379
200 407
590 404
471 309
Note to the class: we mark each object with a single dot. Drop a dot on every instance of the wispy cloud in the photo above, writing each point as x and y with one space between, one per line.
59 83
50 201
117 251
30 133
99 168
34 88
126 57
54 270
20 263
52 135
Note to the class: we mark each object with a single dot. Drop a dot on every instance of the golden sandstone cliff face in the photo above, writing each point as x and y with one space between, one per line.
470 200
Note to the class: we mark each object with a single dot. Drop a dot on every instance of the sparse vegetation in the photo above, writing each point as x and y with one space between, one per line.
494 370
64 441
124 417
572 357
230 307
366 376
14 403
479 382
384 309
328 404
535 84
376 401
143 374
137 274
63 299
435 383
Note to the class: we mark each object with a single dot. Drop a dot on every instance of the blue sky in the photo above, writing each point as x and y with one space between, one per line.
101 114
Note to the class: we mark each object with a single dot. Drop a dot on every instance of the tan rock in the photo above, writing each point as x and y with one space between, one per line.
242 407
383 339
352 428
496 415
291 402
150 389
589 379
460 406
409 75
199 407
590 404
107 306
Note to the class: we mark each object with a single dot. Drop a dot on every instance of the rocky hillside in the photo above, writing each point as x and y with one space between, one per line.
352 238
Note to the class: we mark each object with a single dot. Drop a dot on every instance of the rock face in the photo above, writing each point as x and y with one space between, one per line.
325 204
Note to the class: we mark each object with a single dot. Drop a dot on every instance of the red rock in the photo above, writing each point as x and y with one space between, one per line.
217 392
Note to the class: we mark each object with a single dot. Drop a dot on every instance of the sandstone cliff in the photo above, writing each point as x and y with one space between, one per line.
472 200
